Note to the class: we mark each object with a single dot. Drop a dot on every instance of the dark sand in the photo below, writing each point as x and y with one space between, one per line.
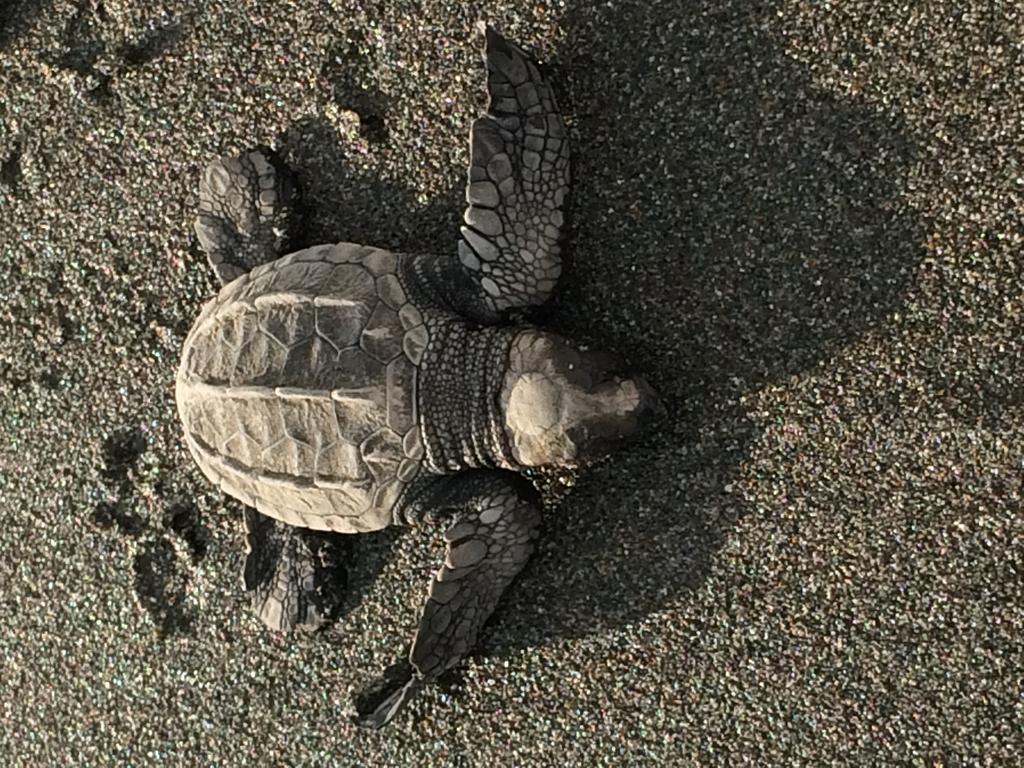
802 224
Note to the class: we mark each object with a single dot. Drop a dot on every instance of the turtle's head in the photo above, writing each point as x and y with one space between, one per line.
561 404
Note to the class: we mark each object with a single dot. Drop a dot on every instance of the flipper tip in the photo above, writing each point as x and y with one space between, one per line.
377 706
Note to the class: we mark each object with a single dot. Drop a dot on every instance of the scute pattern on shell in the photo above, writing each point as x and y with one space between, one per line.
298 388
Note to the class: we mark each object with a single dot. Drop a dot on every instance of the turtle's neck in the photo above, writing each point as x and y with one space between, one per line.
460 377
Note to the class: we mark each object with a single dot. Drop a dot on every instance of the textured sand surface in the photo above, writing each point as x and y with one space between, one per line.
801 221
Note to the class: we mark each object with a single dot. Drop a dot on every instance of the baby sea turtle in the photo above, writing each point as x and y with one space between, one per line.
344 388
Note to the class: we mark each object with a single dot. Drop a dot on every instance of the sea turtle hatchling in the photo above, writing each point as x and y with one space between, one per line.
344 388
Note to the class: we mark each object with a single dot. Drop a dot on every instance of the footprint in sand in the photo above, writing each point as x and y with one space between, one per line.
167 536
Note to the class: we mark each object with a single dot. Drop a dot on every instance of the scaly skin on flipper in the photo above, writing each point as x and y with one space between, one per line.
493 525
518 185
247 210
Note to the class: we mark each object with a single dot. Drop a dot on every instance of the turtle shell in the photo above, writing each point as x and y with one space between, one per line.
297 388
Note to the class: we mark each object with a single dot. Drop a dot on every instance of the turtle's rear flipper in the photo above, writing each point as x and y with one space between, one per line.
247 211
493 527
296 576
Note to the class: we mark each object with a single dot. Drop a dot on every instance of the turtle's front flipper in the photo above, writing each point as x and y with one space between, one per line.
518 184
296 576
247 210
491 536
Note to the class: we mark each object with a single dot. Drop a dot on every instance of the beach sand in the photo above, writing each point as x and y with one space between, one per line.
800 221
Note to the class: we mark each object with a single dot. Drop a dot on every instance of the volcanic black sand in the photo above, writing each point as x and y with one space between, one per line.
801 221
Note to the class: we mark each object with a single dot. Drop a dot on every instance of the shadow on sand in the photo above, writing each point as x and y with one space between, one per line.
733 225
16 16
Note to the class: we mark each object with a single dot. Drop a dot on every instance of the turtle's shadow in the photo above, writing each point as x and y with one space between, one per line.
345 204
734 225
16 15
